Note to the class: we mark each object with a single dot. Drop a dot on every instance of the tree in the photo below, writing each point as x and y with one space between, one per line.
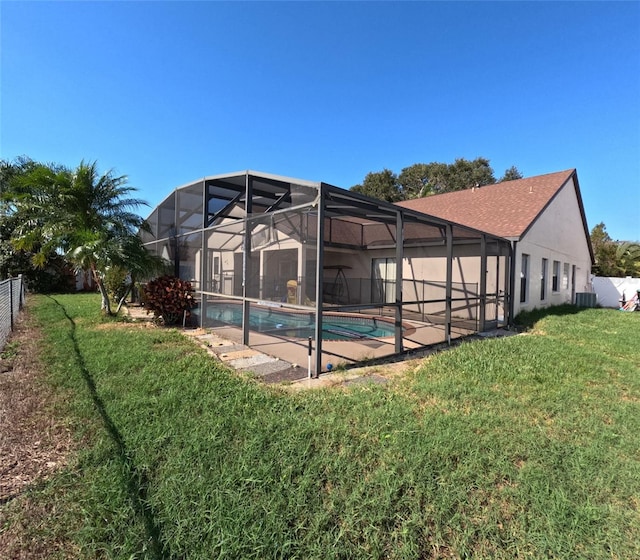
628 257
464 174
422 179
614 258
86 216
139 263
511 174
382 185
10 171
55 274
604 250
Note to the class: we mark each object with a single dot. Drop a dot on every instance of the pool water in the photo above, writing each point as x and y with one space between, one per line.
301 325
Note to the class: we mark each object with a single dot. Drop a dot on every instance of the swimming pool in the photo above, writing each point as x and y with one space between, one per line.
301 325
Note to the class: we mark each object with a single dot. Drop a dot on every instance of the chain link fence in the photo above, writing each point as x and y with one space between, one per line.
12 298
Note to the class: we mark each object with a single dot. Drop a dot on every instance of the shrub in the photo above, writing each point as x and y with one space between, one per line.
169 299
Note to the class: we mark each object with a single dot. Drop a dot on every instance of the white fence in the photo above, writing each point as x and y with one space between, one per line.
611 290
12 297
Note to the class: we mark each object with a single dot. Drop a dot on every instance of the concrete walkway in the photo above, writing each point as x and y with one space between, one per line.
244 359
237 356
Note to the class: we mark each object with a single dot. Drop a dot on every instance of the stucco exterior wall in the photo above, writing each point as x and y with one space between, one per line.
557 235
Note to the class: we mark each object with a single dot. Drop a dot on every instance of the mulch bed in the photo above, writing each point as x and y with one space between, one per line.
33 443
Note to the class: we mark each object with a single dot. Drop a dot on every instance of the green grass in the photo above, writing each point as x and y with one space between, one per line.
520 447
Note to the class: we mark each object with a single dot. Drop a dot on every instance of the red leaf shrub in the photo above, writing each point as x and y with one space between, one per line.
169 298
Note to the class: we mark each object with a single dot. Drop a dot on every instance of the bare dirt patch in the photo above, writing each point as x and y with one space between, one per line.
34 444
133 317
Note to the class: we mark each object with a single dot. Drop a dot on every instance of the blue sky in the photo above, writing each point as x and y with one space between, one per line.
168 92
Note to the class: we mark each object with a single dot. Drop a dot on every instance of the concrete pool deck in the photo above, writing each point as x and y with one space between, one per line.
274 370
342 353
275 360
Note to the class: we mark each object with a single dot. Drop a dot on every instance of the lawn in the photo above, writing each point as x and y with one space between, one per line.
519 447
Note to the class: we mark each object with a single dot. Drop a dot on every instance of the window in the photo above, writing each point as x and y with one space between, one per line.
565 277
524 278
555 286
543 280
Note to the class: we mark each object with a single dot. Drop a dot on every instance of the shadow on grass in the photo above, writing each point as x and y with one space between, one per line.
527 319
137 483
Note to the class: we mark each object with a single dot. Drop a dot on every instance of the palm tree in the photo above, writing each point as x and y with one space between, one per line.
628 255
24 184
88 217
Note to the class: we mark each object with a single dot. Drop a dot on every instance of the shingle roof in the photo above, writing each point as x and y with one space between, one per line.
505 209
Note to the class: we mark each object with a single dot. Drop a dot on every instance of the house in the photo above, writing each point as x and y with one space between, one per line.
276 261
543 217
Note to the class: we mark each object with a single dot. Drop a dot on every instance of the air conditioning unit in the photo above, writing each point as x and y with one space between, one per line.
586 299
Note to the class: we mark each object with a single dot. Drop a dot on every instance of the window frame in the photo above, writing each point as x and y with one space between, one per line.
565 276
555 278
524 277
